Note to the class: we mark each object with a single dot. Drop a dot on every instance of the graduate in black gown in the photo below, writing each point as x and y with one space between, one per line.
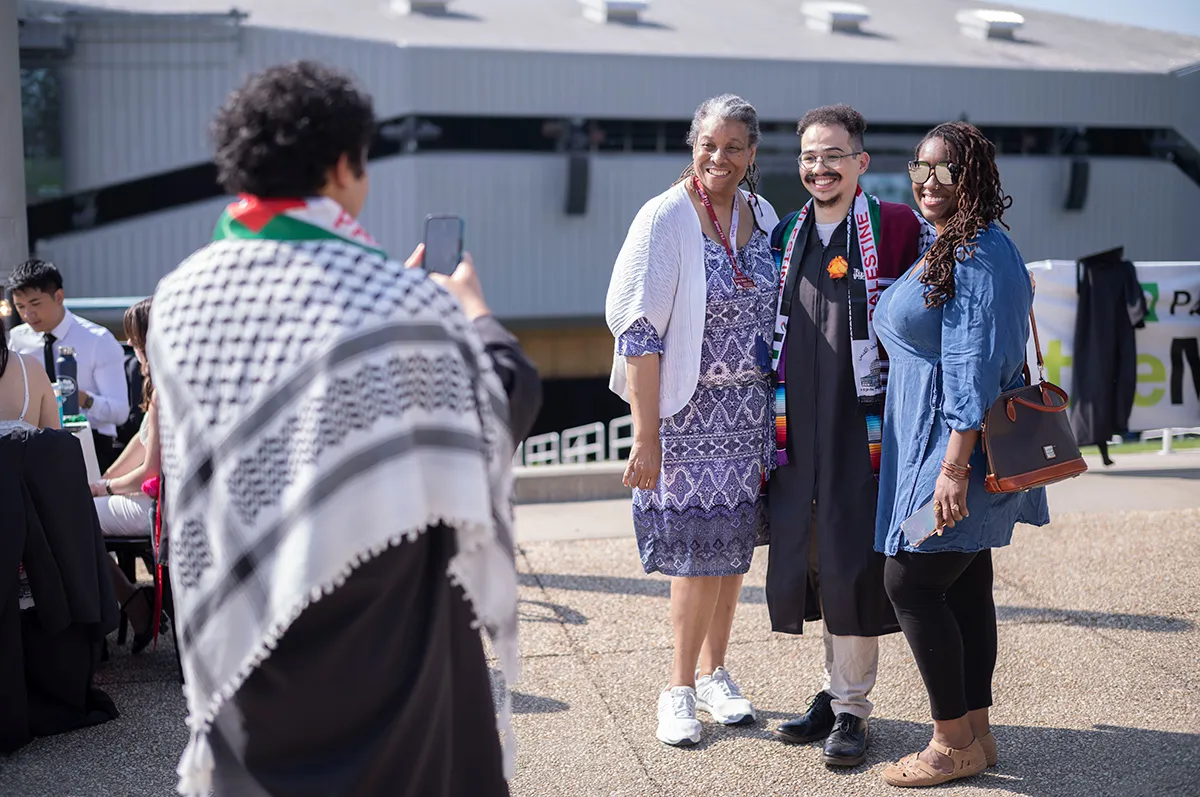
840 251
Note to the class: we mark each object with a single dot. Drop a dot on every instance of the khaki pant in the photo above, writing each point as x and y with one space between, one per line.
851 662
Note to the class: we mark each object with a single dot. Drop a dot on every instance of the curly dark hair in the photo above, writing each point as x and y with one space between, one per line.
981 200
280 133
836 115
137 329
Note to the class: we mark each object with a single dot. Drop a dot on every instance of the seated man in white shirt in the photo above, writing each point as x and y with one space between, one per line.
36 288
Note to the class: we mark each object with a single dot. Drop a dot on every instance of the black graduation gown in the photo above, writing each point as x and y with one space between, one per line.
381 688
829 476
1104 377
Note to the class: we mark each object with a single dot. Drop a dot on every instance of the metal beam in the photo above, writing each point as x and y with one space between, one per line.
13 244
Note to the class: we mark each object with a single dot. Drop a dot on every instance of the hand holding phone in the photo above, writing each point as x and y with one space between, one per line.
920 525
443 244
463 284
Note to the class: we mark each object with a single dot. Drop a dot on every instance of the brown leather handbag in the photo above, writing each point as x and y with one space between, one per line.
1026 434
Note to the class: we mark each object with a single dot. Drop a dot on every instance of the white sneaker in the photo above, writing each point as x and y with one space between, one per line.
720 696
677 723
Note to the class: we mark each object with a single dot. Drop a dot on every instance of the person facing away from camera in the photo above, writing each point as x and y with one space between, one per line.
337 464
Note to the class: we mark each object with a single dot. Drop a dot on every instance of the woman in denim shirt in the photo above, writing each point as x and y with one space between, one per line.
955 329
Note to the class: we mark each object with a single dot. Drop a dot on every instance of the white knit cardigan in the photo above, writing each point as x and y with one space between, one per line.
659 275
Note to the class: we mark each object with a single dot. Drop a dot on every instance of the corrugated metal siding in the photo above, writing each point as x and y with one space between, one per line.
1187 104
139 96
129 258
538 263
136 105
1149 207
506 82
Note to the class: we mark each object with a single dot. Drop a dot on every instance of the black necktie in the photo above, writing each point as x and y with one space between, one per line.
48 354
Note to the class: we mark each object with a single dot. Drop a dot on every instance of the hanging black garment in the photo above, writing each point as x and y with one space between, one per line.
48 652
1111 306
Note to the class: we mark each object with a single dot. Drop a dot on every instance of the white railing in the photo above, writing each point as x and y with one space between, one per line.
587 443
582 443
1168 436
593 442
620 437
542 449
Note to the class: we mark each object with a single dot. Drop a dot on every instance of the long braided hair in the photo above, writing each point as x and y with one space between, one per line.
732 108
981 200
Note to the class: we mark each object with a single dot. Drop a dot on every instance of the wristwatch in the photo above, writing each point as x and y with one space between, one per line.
88 402
108 487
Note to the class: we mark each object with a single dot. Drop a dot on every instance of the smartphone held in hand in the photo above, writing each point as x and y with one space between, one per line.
443 244
920 525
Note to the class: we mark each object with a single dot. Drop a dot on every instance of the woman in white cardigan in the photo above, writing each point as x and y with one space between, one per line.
691 305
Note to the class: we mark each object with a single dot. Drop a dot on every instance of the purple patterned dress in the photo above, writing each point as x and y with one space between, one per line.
706 515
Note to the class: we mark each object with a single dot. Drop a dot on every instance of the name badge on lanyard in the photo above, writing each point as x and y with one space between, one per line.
739 278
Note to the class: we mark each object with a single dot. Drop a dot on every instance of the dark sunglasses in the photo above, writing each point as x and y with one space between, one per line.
946 173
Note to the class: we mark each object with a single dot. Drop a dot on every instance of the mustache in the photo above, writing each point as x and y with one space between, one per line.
809 178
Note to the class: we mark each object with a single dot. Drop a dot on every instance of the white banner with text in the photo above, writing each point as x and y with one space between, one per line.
1168 347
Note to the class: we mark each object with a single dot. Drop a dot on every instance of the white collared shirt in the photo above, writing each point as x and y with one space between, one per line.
101 364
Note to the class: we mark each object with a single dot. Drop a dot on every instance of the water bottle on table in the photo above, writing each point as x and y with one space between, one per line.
67 370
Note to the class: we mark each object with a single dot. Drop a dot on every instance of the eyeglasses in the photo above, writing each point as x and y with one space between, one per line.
946 173
808 161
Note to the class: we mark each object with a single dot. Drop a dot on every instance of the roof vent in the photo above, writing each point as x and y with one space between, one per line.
433 7
986 23
830 17
628 11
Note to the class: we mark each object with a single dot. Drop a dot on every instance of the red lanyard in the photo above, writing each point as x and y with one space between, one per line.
739 279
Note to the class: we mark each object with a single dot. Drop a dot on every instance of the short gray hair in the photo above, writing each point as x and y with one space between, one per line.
725 107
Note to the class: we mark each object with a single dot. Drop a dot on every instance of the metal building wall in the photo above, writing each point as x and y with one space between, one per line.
670 87
129 258
139 93
539 264
138 97
1149 207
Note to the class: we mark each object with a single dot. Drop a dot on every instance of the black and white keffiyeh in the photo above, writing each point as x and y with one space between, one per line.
320 403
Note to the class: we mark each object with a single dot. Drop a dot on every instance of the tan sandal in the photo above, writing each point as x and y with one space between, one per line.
988 743
912 772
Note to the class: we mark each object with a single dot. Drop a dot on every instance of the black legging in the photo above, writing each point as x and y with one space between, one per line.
944 604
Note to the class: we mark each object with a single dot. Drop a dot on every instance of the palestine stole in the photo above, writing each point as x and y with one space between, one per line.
870 369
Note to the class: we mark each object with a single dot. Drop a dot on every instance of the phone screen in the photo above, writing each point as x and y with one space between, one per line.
443 243
920 525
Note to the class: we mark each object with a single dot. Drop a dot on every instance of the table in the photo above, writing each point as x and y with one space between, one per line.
83 433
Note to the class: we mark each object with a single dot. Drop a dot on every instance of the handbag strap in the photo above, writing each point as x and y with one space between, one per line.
1037 343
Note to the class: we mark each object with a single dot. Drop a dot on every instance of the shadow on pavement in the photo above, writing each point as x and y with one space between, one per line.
535 704
1062 762
1026 615
1169 473
543 612
661 588
1105 761
654 587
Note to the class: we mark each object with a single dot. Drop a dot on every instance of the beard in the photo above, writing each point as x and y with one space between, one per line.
824 203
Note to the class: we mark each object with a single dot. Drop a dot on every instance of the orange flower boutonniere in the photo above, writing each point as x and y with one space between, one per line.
838 267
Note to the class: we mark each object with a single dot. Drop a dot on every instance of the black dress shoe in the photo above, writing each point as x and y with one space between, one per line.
816 723
847 742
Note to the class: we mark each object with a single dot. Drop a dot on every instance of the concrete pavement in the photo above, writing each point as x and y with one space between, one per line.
1097 687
